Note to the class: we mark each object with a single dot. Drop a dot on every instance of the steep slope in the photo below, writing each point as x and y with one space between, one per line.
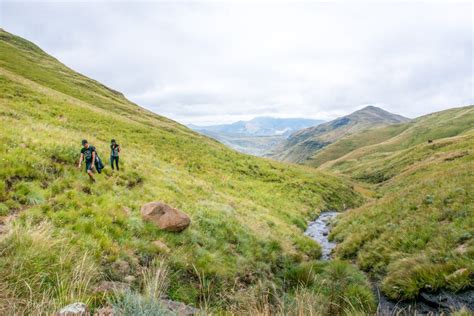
417 233
302 145
247 213
257 136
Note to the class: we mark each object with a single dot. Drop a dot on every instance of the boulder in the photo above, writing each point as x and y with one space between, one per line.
75 309
165 217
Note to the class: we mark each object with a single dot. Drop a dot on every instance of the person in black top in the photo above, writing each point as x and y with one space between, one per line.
114 154
88 155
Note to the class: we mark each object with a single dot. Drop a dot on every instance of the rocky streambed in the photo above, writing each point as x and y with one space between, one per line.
318 230
441 303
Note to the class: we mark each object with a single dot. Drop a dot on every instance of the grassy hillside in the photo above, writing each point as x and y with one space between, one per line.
417 234
68 234
378 144
350 143
304 144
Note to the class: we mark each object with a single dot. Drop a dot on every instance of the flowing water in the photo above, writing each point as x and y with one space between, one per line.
318 230
427 304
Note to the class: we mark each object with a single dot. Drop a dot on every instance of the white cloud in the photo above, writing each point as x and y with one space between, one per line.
209 62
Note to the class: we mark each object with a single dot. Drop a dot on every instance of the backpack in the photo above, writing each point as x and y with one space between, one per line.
98 163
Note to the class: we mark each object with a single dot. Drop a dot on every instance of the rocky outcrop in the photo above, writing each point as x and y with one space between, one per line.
165 217
444 300
427 303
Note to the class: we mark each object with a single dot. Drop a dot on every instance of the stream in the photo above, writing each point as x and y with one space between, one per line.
318 230
440 303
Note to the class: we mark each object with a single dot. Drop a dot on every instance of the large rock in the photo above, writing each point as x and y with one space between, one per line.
75 309
165 217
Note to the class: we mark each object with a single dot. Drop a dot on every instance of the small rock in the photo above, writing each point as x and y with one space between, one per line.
165 217
121 266
325 233
461 249
127 211
458 274
129 279
104 311
111 286
179 308
161 246
75 309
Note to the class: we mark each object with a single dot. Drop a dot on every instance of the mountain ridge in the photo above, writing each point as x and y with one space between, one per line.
261 126
302 144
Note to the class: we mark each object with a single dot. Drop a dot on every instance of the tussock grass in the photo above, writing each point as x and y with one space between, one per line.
41 272
322 288
154 283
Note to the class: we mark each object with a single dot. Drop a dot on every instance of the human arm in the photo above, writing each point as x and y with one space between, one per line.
93 159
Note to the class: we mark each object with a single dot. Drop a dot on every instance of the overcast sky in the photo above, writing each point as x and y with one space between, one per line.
211 62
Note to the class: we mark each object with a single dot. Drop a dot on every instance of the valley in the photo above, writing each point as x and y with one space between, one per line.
257 136
403 189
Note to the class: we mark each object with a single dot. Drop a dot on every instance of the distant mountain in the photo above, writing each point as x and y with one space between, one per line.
303 144
261 126
257 136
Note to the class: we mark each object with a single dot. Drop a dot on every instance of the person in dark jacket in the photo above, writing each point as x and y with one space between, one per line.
88 155
114 154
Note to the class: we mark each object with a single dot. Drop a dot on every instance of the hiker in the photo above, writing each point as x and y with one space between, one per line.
88 154
114 154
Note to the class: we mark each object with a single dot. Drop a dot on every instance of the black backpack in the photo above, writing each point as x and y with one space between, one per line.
98 163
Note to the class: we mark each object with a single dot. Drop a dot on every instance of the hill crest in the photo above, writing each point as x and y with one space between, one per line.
303 144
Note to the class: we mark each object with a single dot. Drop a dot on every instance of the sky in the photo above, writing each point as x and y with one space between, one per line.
210 62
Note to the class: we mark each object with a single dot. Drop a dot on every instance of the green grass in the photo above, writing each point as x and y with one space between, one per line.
371 150
248 214
40 271
417 233
353 142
